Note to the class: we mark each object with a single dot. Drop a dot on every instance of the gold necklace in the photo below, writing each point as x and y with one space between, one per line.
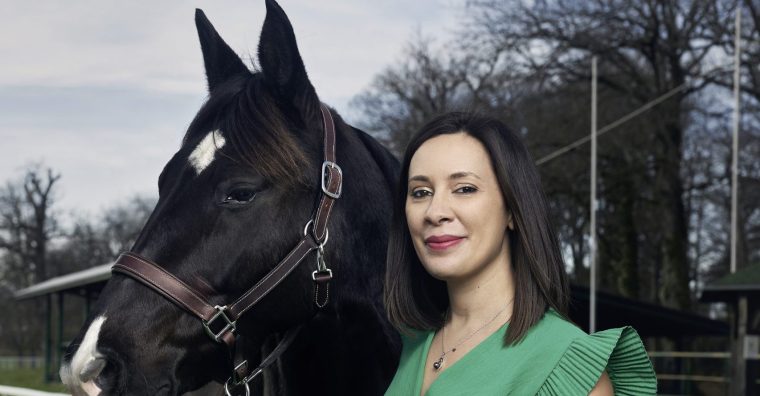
439 363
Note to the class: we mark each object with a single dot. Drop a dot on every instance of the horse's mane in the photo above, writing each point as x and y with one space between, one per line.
388 164
256 134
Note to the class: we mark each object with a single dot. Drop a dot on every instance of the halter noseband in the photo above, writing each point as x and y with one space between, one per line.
219 322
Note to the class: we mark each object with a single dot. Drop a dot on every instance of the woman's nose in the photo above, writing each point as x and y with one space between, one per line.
438 210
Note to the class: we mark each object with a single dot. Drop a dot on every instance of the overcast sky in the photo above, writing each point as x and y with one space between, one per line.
103 91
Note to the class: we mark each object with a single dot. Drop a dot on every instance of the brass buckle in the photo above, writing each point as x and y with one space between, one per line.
229 324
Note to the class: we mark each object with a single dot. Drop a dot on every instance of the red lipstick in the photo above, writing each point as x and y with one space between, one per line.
442 242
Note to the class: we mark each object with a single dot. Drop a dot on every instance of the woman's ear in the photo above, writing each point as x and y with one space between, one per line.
510 222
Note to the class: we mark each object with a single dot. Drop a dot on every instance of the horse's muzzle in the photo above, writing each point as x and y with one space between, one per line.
82 383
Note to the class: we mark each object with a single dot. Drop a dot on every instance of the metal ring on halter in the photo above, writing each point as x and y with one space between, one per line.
306 231
227 389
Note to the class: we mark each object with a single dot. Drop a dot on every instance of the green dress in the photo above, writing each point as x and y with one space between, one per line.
555 358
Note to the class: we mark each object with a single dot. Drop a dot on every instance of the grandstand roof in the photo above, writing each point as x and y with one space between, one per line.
67 282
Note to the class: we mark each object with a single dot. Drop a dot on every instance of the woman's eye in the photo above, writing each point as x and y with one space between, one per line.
419 193
467 189
240 196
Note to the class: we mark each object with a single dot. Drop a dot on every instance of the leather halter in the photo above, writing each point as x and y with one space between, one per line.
219 322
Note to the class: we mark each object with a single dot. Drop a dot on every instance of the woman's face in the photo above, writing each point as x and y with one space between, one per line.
455 210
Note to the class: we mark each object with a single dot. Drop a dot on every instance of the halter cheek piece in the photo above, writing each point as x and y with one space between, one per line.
219 322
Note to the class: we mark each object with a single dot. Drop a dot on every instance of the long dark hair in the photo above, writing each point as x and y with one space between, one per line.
416 300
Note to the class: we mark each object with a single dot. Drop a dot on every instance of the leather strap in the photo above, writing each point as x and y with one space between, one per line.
332 187
243 375
172 288
164 283
273 278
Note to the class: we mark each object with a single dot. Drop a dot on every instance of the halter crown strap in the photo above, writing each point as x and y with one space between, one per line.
331 177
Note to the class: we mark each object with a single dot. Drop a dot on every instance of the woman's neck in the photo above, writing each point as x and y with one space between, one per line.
476 299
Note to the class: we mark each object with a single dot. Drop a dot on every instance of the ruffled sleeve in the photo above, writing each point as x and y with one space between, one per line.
619 351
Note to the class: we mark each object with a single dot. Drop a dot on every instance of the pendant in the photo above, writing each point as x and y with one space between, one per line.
438 363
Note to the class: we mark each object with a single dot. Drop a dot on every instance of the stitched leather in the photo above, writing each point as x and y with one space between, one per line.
165 283
335 180
273 278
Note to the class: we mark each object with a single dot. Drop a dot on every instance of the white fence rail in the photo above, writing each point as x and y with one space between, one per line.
13 391
21 361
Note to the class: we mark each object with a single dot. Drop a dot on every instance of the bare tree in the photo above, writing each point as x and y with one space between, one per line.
97 241
27 225
122 223
403 97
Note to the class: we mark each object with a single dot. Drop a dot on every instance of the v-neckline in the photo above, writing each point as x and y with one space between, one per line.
426 350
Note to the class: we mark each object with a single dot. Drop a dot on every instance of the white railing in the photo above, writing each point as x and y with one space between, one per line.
13 391
21 361
688 379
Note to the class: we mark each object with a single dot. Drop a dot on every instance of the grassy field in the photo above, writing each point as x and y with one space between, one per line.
28 378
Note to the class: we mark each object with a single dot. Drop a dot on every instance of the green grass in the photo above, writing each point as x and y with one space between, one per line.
28 378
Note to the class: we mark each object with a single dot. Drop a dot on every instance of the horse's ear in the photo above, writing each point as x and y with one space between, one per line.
280 60
220 60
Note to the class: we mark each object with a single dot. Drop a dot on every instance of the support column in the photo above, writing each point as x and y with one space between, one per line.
59 341
739 380
48 336
87 304
592 222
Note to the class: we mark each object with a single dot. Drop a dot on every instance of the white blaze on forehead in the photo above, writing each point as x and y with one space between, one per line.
203 154
87 362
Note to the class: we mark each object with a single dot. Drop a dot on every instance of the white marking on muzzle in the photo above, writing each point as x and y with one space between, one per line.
203 154
87 363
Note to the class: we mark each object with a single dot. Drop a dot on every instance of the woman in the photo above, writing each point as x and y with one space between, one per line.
475 279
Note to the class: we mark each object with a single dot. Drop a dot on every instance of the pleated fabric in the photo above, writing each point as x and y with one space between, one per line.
619 351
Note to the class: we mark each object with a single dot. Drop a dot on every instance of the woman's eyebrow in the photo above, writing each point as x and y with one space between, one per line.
453 176
459 175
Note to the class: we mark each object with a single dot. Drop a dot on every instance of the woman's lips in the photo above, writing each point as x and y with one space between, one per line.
442 242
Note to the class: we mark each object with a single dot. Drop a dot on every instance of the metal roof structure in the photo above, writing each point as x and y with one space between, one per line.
70 281
743 282
649 320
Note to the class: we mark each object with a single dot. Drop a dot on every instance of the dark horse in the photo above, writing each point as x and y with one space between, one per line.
232 203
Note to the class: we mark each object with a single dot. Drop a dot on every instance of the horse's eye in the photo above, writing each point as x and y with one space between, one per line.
241 195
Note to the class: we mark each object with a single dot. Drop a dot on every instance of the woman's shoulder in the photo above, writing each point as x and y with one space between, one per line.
550 336
619 351
405 381
554 325
411 338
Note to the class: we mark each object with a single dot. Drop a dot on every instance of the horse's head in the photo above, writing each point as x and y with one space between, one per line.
233 201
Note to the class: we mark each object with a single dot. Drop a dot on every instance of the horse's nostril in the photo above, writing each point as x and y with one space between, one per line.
92 369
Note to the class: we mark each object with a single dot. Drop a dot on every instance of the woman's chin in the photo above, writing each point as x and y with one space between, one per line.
444 270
